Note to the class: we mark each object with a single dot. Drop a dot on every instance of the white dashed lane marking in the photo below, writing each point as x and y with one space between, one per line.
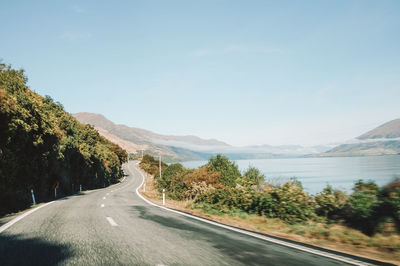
111 221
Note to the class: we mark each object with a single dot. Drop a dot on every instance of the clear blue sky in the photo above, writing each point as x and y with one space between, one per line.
245 72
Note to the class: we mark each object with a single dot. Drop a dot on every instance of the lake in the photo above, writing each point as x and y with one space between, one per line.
316 173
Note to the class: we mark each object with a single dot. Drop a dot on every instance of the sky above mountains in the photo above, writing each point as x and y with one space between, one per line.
244 72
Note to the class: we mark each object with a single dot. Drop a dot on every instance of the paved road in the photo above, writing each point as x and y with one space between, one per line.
113 226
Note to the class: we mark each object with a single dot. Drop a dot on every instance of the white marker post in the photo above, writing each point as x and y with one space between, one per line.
33 197
55 192
163 196
80 188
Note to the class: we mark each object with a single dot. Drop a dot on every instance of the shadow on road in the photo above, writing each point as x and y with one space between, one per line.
245 251
230 244
18 250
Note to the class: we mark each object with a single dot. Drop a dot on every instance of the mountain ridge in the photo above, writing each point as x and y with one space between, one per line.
387 130
382 140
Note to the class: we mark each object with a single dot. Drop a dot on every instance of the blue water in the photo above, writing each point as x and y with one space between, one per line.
316 173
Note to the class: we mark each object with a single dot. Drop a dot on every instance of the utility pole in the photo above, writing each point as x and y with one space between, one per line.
160 165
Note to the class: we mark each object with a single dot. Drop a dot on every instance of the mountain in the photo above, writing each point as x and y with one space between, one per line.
388 130
383 140
181 148
134 140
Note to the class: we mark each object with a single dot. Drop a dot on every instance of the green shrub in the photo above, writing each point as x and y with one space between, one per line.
172 181
330 203
288 202
151 165
292 203
252 177
203 174
229 170
390 198
363 206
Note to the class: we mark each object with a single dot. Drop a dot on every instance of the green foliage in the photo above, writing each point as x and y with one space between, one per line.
390 198
229 170
172 181
41 145
252 177
292 203
288 202
330 203
151 165
363 205
203 174
219 186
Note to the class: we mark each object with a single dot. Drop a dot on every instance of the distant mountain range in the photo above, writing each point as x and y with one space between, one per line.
181 148
135 140
384 139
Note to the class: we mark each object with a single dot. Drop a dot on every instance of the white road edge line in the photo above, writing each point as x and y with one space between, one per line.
259 236
16 219
111 221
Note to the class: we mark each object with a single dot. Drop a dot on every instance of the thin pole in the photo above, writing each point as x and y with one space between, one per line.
33 197
160 165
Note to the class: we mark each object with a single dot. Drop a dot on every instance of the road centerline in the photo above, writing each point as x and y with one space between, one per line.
111 221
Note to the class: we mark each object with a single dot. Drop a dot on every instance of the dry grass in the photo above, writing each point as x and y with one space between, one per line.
383 247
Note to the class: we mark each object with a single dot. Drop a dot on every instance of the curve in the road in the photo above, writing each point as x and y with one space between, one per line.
116 225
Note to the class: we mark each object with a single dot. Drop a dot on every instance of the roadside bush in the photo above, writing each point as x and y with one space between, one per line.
288 202
265 205
330 203
252 177
292 204
172 181
151 165
362 207
197 189
224 199
229 170
203 174
390 198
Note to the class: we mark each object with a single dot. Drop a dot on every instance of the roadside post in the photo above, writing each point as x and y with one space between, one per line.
33 197
55 190
80 188
163 196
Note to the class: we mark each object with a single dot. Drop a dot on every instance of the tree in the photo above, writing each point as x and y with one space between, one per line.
229 170
254 176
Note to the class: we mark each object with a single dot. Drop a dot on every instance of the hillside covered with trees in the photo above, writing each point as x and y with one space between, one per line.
42 146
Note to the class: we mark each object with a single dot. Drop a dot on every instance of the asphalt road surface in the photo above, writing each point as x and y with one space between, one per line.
113 226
